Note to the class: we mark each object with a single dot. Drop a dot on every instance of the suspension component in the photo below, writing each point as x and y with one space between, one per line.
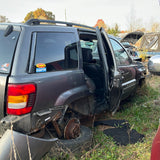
72 129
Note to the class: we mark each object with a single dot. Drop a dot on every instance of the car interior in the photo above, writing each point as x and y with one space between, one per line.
92 65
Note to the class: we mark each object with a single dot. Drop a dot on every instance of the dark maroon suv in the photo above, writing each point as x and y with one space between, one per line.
52 73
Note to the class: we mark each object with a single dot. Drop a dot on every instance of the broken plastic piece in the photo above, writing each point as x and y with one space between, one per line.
15 145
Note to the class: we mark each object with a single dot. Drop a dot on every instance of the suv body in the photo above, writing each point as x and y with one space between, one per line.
47 71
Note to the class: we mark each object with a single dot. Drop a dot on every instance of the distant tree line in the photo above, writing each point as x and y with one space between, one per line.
110 30
114 30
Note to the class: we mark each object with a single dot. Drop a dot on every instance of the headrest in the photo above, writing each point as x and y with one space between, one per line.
87 54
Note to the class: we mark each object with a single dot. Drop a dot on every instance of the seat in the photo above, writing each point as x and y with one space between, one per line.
87 55
93 70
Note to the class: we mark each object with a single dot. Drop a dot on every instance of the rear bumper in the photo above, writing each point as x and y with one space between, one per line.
15 145
18 123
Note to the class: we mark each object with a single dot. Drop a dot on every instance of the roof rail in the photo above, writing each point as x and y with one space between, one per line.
70 24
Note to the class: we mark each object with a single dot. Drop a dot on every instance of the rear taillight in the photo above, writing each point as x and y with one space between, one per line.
20 98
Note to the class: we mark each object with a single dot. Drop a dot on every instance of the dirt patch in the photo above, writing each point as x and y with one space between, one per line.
89 120
153 81
157 102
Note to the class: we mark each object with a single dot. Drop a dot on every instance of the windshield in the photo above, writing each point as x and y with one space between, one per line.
7 47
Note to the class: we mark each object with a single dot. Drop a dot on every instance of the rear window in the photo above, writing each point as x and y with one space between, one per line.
150 42
7 48
55 52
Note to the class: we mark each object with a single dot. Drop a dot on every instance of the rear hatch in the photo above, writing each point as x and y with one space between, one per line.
132 37
8 39
151 42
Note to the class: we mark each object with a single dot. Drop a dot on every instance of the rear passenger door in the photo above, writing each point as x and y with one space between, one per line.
54 67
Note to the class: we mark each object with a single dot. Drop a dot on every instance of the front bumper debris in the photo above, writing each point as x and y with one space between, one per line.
16 146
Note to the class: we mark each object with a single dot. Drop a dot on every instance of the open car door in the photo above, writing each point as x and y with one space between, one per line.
113 90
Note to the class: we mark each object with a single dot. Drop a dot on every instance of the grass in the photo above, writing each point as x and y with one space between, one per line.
142 112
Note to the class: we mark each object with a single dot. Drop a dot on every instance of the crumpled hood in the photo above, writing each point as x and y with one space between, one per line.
132 37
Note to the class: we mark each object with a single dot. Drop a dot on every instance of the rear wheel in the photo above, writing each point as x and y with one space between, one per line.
72 129
82 142
67 147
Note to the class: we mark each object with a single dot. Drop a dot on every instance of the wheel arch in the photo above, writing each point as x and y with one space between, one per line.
79 99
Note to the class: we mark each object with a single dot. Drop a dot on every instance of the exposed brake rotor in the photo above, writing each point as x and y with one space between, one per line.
72 129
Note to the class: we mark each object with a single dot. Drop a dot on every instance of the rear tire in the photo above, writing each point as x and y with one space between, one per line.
76 146
82 142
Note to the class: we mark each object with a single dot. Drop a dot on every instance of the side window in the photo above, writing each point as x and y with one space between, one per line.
90 46
121 55
7 48
55 52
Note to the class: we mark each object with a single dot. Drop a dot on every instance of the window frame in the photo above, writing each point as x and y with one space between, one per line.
124 51
12 40
33 53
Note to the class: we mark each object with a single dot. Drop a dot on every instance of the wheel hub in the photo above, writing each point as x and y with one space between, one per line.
72 129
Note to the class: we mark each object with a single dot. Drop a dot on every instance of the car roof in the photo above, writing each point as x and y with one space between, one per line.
40 23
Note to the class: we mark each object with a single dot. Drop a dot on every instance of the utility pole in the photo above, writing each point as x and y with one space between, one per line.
65 15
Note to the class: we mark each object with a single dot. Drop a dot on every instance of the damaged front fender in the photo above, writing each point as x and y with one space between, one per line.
16 146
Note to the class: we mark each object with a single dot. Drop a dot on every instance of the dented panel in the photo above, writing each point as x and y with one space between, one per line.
18 146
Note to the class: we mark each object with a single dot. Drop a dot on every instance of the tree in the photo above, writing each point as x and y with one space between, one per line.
29 16
114 31
3 19
50 15
100 23
134 23
155 27
40 14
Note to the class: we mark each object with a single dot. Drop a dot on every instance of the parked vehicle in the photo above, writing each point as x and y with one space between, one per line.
150 43
132 37
135 60
155 154
129 42
154 65
51 75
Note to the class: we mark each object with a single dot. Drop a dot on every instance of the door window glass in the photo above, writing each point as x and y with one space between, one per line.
121 55
55 52
7 48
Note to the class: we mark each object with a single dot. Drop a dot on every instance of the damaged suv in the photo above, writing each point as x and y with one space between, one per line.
52 73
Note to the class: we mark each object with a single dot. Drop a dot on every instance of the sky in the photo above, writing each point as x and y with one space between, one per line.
87 12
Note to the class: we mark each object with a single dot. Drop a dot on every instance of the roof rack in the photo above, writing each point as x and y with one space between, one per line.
70 24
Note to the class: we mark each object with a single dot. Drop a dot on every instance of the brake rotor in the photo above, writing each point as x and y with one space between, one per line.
72 129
